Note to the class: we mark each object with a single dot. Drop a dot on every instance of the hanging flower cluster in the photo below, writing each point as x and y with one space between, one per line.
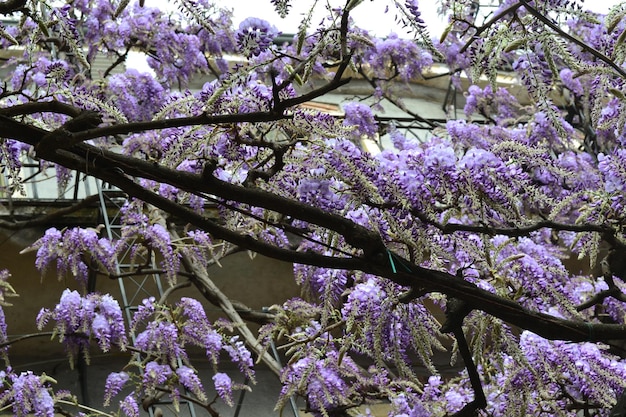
80 319
508 203
163 335
255 36
73 250
26 393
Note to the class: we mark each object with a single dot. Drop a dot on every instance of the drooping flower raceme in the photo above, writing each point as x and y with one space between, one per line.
224 387
28 393
114 384
191 381
255 36
163 335
325 388
140 235
137 94
360 117
130 406
401 55
613 169
78 319
161 338
72 250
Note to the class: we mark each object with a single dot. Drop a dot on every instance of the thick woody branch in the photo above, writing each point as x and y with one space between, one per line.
52 106
115 168
479 401
278 113
544 325
607 232
11 6
419 278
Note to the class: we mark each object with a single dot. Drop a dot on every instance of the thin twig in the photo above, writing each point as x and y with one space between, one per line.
25 337
541 17
84 407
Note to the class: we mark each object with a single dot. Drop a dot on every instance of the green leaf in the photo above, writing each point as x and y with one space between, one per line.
516 44
615 15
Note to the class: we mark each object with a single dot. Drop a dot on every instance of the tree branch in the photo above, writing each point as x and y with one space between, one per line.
487 25
11 6
25 337
111 168
479 401
204 283
607 232
542 18
52 106
419 278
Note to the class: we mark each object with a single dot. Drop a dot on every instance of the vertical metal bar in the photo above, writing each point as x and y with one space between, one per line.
109 227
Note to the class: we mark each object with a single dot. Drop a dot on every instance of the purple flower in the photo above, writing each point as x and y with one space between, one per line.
108 324
190 380
361 118
456 400
571 83
78 319
224 387
198 330
322 282
240 355
155 374
366 293
71 248
213 342
114 384
582 367
400 141
138 95
544 130
129 406
193 310
3 331
613 170
401 55
58 70
143 313
161 338
154 236
441 156
319 380
255 36
31 396
413 8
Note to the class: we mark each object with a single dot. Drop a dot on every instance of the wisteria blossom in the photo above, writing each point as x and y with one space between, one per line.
224 387
163 335
26 393
255 36
72 251
79 319
486 229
